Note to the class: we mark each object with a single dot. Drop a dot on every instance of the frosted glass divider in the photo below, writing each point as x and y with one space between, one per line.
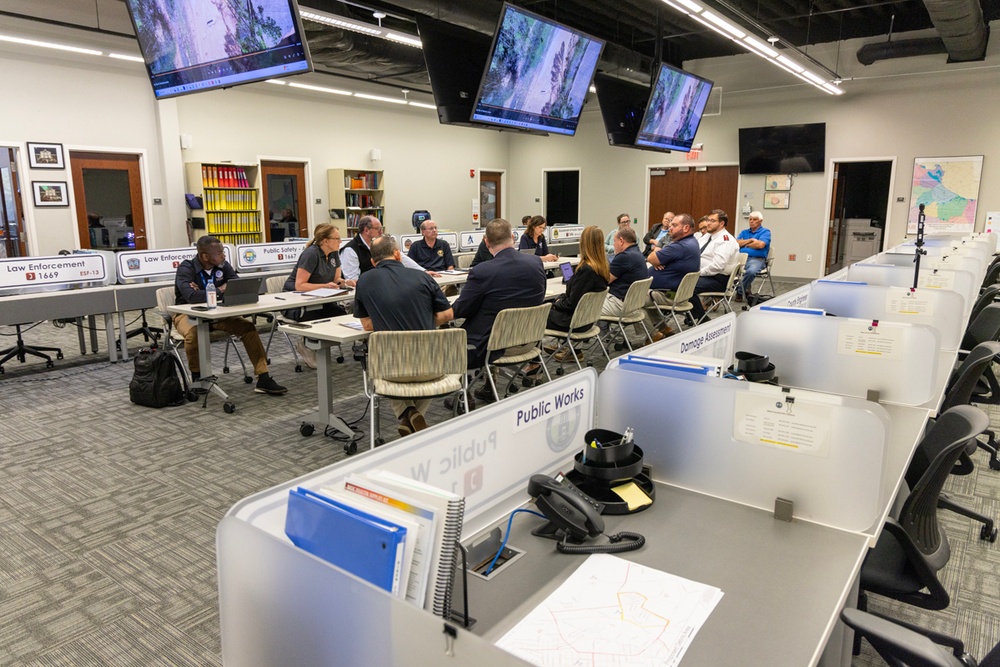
962 282
843 356
941 309
838 483
711 339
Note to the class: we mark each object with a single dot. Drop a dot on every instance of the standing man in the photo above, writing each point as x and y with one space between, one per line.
209 265
756 243
391 297
433 254
659 235
719 256
510 280
627 266
624 221
672 262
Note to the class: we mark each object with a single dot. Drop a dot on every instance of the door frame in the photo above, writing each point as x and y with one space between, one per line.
19 192
142 189
503 196
309 204
543 204
828 207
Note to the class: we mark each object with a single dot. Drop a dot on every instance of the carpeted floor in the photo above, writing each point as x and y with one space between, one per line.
108 510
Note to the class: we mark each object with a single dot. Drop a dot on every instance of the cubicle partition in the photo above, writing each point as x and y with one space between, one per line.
468 241
963 282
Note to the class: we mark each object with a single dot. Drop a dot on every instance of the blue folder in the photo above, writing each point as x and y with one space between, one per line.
365 545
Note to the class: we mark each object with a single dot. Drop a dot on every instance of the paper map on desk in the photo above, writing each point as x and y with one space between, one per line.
614 612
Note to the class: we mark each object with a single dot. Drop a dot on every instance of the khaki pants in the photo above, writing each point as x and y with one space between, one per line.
236 326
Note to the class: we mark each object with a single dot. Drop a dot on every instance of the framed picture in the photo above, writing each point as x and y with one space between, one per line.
778 182
776 199
50 193
45 156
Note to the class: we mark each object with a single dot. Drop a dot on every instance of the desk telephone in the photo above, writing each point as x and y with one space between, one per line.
573 517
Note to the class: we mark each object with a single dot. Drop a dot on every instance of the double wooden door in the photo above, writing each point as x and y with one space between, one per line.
685 190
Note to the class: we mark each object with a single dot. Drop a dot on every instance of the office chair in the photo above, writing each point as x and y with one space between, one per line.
632 311
725 297
275 285
913 547
582 327
21 351
765 274
992 274
414 364
985 327
903 644
516 327
679 303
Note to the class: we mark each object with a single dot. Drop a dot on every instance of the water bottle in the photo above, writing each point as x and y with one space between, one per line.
211 295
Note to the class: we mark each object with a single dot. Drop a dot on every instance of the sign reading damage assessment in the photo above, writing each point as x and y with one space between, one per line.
881 340
782 422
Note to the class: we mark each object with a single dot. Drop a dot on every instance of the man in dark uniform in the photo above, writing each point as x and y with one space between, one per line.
356 256
432 253
392 297
674 261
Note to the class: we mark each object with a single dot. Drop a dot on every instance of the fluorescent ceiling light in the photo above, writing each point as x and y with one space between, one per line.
830 88
341 22
691 6
320 89
812 77
123 56
49 45
409 40
790 64
422 105
711 26
724 24
379 98
759 46
677 7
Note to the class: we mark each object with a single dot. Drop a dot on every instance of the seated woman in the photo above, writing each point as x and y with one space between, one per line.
534 238
592 275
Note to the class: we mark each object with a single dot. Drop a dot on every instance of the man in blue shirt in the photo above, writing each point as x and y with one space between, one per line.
627 267
756 243
432 253
672 262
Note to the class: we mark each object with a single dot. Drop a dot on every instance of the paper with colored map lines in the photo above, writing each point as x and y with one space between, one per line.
612 612
948 187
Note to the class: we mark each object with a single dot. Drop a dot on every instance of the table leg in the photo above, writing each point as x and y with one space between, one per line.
324 389
92 321
109 329
79 332
122 336
208 378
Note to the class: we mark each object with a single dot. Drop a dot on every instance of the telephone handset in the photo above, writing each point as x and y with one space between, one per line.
569 509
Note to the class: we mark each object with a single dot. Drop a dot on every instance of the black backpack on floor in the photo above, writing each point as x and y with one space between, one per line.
158 381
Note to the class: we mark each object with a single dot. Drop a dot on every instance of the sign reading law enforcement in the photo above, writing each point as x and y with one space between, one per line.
56 270
267 255
137 264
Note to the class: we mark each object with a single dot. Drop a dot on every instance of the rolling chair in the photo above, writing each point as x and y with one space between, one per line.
400 363
275 285
632 311
585 317
725 297
913 547
679 303
21 351
515 327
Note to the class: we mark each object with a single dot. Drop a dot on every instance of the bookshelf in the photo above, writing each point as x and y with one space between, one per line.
355 193
230 198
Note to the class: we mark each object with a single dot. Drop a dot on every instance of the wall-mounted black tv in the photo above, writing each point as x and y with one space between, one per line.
622 105
195 45
783 149
455 59
538 74
674 112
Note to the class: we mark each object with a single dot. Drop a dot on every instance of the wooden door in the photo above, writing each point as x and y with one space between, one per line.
693 192
284 189
12 242
108 195
490 196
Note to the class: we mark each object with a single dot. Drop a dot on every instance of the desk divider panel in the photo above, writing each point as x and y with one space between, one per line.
941 309
469 239
795 298
749 443
54 273
845 356
957 261
962 282
711 339
268 256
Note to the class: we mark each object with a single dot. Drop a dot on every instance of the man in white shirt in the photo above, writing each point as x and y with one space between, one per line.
719 255
356 256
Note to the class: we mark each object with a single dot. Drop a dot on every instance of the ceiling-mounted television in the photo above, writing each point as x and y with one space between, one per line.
783 149
195 45
537 75
622 106
455 59
674 112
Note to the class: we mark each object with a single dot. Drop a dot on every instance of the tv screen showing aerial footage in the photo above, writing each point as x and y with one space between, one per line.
538 74
674 111
194 45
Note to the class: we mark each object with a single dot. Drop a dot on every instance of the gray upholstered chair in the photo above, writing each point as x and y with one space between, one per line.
585 317
516 327
632 310
174 341
680 302
725 297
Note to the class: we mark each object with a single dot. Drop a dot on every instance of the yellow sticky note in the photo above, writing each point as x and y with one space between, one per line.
634 496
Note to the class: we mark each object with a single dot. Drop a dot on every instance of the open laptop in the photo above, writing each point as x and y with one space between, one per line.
241 291
526 251
567 271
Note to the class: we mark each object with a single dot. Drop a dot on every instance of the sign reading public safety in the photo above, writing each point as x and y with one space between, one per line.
264 255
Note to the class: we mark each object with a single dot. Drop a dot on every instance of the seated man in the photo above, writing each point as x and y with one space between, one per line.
672 262
209 265
433 254
756 243
658 235
609 241
393 298
719 255
627 267
510 280
356 255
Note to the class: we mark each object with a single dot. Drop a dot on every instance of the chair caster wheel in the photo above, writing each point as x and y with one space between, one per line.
512 389
306 429
527 382
229 407
298 368
59 355
268 360
351 448
619 347
340 359
247 379
49 364
191 395
988 534
560 370
225 369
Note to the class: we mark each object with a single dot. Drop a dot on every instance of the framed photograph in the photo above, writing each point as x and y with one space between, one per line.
776 199
778 182
50 193
45 156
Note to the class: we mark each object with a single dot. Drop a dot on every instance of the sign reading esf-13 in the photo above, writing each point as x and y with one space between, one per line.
57 270
261 255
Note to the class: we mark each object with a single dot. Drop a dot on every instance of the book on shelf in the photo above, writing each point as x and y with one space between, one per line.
361 181
220 176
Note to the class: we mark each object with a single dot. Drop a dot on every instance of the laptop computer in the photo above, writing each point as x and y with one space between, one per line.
241 291
526 251
567 271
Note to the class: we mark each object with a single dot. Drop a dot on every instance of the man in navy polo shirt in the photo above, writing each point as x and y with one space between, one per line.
432 253
627 266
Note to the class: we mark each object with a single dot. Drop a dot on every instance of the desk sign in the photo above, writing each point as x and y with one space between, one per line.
564 233
470 240
57 270
266 255
138 264
406 240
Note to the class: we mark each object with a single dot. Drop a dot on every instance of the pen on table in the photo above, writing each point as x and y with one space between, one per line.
320 321
280 298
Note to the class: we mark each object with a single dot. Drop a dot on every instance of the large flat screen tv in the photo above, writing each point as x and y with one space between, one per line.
783 149
455 59
622 106
674 112
538 74
195 45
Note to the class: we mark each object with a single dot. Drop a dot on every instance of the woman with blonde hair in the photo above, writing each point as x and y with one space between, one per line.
592 275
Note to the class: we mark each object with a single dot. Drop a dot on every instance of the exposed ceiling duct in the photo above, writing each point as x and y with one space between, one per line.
960 24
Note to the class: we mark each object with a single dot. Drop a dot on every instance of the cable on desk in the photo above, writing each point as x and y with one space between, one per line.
510 521
634 541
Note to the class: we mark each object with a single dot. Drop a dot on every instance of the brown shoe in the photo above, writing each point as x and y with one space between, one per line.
405 428
417 420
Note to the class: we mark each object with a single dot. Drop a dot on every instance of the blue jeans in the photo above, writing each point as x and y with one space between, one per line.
753 266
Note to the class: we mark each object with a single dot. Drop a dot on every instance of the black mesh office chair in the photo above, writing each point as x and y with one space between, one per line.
985 327
902 644
21 350
913 548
